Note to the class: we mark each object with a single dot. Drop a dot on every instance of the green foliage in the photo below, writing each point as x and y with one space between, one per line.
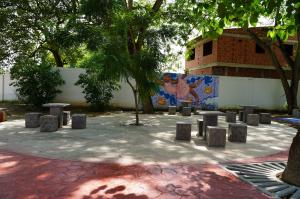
97 90
30 27
36 82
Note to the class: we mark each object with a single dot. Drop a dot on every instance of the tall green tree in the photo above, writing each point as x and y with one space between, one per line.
285 15
30 26
285 18
134 33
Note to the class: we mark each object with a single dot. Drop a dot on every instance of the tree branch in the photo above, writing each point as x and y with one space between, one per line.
272 55
130 4
288 59
157 6
155 9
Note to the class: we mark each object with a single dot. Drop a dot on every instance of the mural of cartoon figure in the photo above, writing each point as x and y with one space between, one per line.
184 88
180 87
169 92
174 88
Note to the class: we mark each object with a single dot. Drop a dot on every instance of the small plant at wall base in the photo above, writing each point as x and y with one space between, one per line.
97 91
36 83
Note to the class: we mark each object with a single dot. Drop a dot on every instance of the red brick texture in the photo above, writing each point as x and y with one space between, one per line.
236 49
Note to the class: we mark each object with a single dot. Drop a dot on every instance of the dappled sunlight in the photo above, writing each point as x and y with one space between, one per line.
108 139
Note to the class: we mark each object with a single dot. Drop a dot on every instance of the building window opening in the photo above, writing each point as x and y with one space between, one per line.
259 50
289 49
190 54
207 48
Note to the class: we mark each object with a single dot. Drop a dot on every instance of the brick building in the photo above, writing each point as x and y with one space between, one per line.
234 53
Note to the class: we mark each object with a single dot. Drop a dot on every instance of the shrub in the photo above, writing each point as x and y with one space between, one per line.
36 82
97 91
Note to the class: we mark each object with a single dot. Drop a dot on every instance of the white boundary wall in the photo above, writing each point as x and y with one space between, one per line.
233 91
265 93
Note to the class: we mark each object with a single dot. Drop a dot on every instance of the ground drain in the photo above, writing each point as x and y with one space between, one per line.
263 177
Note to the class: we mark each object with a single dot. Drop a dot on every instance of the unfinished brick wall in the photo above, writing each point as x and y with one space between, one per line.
234 54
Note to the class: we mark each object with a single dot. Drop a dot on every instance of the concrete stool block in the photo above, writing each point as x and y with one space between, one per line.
32 120
216 136
209 120
183 130
2 116
196 110
296 113
66 117
241 115
237 133
200 127
172 110
48 123
230 116
186 111
78 121
253 119
265 118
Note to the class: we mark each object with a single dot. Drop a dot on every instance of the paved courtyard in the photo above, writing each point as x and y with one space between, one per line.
111 159
110 138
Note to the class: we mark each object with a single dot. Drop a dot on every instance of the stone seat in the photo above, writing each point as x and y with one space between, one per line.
2 116
78 121
66 117
253 119
183 130
265 118
241 115
32 119
172 110
200 127
237 133
48 123
216 136
296 113
186 111
230 116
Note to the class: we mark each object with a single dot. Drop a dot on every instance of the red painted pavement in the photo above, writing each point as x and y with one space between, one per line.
29 177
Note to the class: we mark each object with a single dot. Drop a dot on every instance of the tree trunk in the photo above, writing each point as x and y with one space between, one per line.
291 173
134 90
290 90
57 57
137 121
147 105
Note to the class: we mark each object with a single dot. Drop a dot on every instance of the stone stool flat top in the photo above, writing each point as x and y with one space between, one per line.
237 132
32 119
231 116
183 130
48 123
186 111
172 110
265 118
216 136
253 119
78 121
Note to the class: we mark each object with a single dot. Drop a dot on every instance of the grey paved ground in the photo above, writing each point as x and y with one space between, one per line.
110 137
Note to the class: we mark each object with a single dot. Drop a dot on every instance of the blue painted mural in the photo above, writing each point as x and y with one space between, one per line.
201 91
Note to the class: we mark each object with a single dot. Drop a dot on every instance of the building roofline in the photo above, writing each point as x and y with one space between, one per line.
199 38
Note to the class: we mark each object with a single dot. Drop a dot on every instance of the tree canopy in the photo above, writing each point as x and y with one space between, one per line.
284 21
27 27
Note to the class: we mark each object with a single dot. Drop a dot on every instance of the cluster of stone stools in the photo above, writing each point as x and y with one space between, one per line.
50 123
215 135
185 110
